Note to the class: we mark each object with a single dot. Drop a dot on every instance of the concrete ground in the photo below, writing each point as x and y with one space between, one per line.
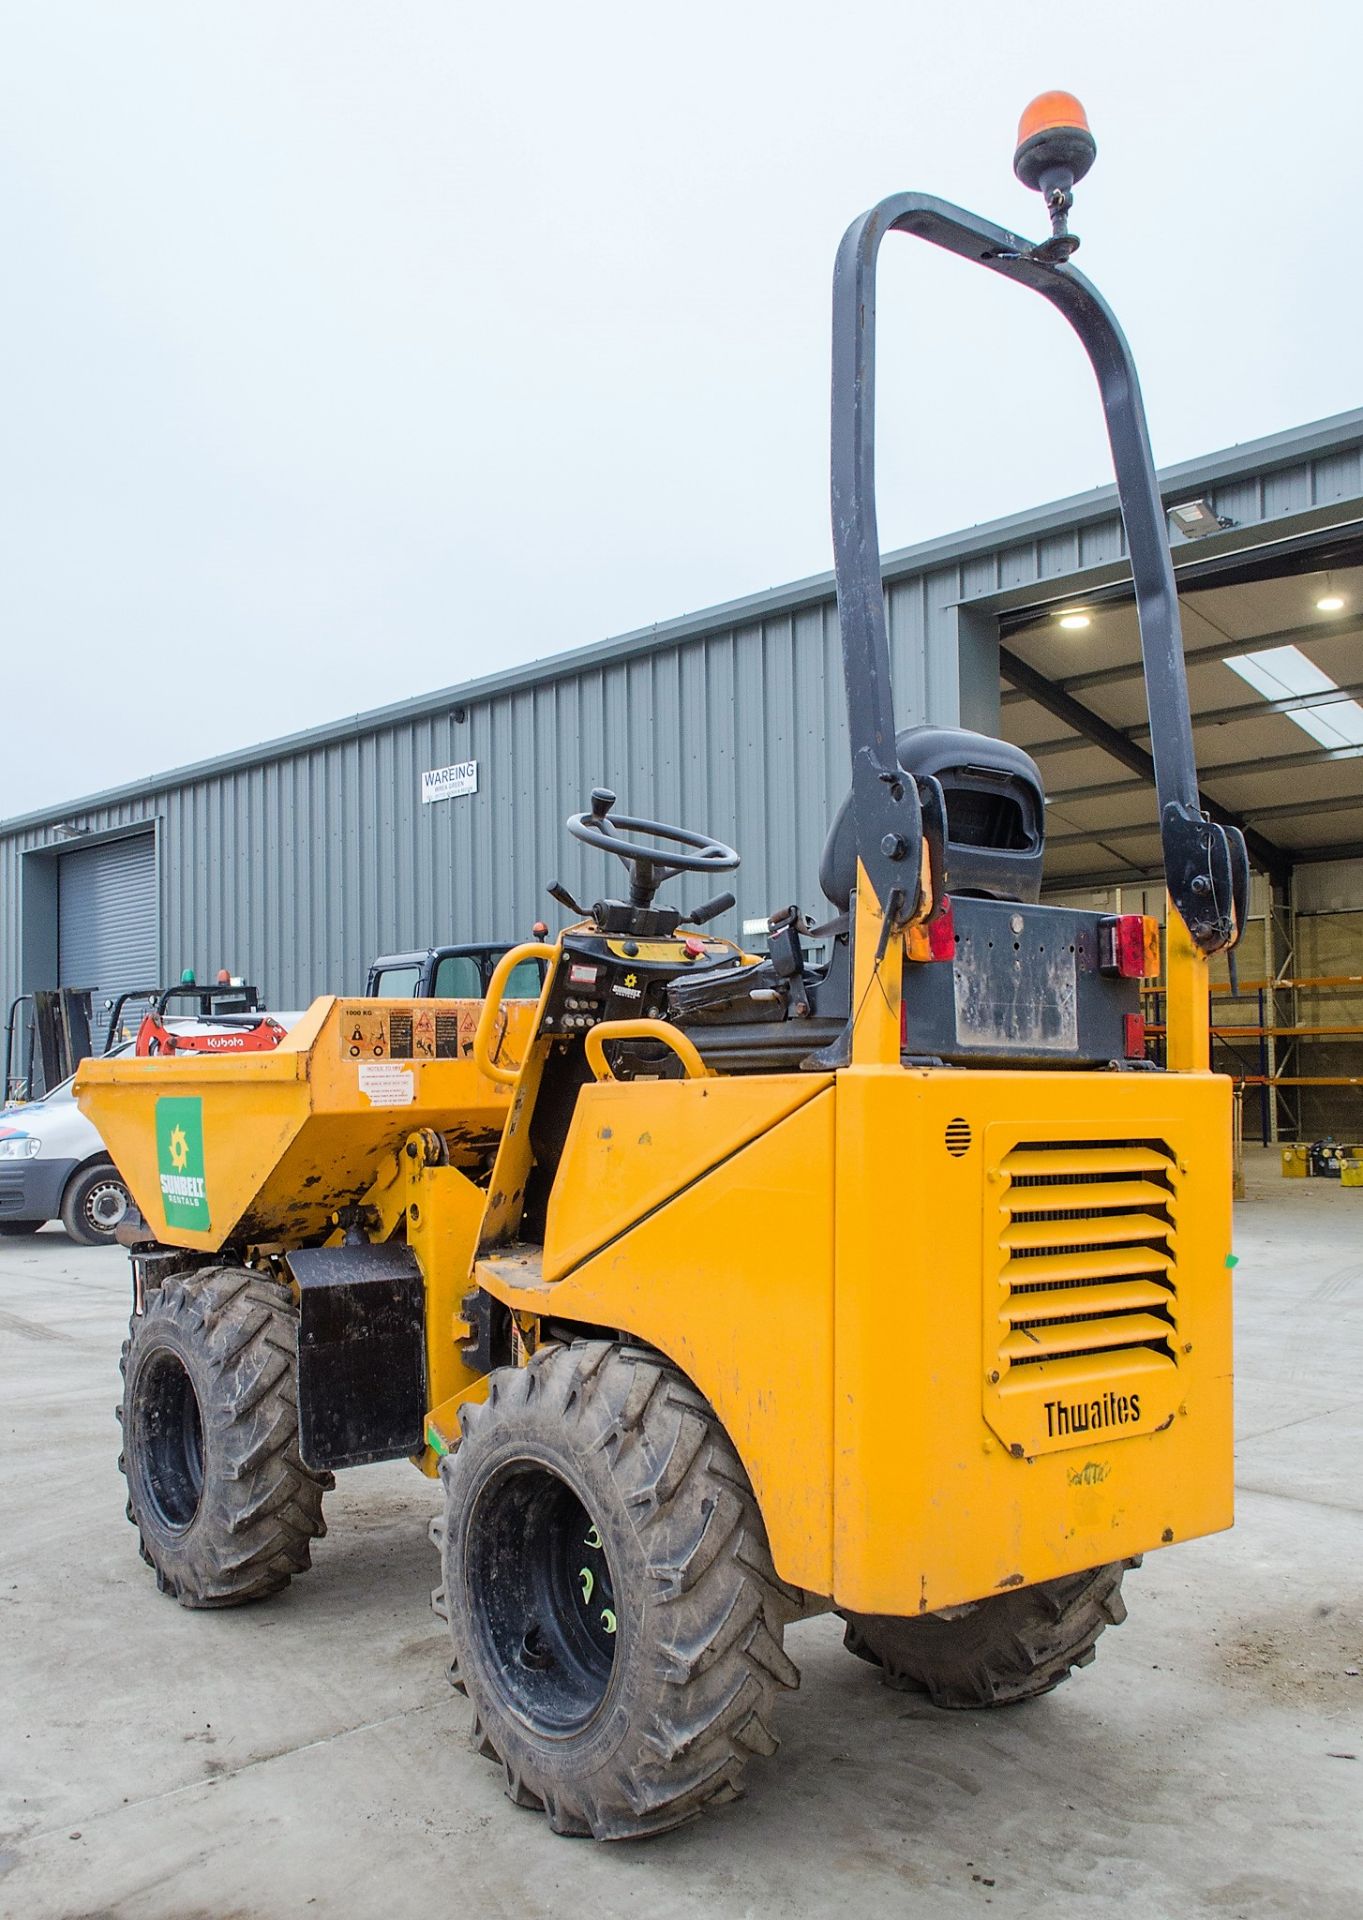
307 1755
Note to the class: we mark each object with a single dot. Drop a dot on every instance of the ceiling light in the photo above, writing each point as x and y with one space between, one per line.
1330 603
1074 622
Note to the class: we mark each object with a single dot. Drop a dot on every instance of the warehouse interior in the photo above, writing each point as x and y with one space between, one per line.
1275 673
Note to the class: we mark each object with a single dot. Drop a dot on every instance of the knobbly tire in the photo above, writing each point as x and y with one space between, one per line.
1010 1647
224 1506
615 1616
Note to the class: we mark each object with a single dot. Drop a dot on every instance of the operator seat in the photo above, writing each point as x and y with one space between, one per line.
774 1014
996 816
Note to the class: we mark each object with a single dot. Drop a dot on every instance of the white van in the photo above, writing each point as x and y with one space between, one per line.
53 1165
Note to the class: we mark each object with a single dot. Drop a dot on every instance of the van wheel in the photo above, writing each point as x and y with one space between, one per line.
615 1616
95 1204
224 1506
1010 1647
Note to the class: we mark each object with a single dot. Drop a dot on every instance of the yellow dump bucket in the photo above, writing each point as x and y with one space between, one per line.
262 1148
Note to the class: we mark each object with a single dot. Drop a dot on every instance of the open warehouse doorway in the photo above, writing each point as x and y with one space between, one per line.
1274 645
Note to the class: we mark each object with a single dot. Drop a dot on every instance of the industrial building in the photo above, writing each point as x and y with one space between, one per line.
293 862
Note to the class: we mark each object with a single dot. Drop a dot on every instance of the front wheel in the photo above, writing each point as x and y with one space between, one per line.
95 1204
615 1616
1010 1647
225 1508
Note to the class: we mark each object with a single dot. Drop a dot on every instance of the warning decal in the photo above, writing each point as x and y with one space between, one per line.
364 1033
408 1030
388 1086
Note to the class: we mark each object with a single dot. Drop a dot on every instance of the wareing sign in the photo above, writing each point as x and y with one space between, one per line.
449 783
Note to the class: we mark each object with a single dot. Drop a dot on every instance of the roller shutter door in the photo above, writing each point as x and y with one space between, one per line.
107 918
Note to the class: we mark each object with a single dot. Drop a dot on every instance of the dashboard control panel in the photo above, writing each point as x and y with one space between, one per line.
612 977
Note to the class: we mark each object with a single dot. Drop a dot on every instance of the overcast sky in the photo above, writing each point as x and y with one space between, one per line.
354 350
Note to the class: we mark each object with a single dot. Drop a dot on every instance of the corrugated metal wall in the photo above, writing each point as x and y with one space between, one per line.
296 870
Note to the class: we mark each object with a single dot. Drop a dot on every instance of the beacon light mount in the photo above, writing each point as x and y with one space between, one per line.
1055 150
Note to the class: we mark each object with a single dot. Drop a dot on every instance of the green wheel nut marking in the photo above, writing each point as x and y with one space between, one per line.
608 1619
588 1579
593 1539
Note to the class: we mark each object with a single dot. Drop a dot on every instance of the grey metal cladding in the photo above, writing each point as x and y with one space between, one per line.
295 861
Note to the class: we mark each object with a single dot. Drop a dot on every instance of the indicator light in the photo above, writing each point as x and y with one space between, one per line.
1129 946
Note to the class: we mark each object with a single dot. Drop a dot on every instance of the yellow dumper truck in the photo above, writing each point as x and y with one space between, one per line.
719 1289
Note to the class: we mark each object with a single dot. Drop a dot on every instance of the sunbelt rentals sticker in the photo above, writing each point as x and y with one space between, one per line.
180 1162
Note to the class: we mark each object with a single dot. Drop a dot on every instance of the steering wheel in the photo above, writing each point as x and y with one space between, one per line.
648 867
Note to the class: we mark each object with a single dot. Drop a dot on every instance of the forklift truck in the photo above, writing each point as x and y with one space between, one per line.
718 1289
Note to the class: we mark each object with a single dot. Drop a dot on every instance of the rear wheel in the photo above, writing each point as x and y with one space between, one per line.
1010 1647
224 1506
95 1204
615 1617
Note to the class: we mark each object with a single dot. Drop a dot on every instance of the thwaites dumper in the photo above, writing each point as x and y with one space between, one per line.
720 1289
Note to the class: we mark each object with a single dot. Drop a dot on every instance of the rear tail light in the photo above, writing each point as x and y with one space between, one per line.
936 940
1129 946
942 934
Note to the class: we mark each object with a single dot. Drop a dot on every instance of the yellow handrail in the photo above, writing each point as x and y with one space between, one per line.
670 1036
492 1007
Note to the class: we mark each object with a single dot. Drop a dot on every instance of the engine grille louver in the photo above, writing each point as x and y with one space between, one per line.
1088 1247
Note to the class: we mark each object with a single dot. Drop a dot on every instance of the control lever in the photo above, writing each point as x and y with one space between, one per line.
557 891
710 911
787 956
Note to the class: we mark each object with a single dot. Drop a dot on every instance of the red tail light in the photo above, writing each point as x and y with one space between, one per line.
942 934
1129 946
935 941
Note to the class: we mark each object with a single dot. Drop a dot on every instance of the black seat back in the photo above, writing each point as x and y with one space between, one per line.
996 817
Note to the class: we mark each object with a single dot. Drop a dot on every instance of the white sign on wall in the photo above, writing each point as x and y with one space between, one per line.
449 783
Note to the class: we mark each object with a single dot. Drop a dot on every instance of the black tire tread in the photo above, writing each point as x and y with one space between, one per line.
1009 1648
261 1507
73 1202
716 1662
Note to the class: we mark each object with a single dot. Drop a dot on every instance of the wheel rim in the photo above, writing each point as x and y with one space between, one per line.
106 1206
169 1441
542 1598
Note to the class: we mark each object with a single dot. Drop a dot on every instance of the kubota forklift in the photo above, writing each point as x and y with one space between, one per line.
718 1289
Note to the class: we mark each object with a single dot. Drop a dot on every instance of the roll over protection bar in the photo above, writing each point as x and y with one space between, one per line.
1206 865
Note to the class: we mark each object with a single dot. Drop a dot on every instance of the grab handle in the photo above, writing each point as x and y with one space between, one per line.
485 1032
670 1036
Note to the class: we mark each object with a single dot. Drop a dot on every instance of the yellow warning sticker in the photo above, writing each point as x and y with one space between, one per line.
423 1033
364 1033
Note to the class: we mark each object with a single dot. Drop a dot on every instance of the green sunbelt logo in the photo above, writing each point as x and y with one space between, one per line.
180 1162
